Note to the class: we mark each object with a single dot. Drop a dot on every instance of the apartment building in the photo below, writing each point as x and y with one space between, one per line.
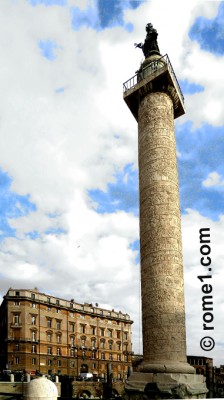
45 334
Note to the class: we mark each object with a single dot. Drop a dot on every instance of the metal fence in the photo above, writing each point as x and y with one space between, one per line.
151 68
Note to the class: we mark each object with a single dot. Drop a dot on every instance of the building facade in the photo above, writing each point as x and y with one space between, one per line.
40 333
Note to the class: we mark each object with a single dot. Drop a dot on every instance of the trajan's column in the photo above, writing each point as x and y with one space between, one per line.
154 97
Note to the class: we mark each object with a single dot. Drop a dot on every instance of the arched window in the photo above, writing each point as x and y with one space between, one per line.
93 343
118 346
83 341
110 344
72 340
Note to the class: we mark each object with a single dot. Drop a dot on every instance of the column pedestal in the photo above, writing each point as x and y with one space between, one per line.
143 386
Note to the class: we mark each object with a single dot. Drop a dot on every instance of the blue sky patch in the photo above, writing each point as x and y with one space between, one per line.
136 246
55 231
210 32
12 205
121 195
201 153
190 88
33 235
47 48
48 2
60 90
103 14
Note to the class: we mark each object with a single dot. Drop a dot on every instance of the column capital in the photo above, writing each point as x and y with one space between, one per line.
155 75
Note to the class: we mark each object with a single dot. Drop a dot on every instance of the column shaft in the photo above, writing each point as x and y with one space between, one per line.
163 314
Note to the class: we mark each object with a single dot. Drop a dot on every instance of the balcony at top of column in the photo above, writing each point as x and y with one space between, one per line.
155 75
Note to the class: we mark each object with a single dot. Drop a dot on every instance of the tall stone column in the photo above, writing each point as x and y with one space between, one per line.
163 315
155 99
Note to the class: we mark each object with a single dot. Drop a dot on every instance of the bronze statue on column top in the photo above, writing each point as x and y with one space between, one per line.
150 46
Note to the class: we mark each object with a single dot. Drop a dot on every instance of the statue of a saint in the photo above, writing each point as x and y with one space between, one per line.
150 46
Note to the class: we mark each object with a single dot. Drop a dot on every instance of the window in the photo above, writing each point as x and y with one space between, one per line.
93 330
125 347
49 337
83 340
110 356
16 319
71 305
17 293
72 327
33 305
49 323
58 310
17 360
48 308
58 338
49 362
94 365
93 343
32 296
48 299
34 361
110 345
72 364
110 332
102 331
118 346
57 302
58 351
72 341
92 310
93 355
102 356
102 344
72 352
125 335
118 334
118 357
49 350
58 324
33 320
59 363
109 313
126 358
34 336
16 303
83 328
33 349
17 347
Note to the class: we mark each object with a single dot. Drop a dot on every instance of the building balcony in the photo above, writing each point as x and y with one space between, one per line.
22 340
16 325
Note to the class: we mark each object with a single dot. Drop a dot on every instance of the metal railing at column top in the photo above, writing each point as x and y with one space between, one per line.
151 68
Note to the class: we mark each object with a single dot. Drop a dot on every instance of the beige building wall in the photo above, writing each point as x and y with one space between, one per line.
42 333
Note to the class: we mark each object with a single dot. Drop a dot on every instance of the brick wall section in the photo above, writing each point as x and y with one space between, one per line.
94 388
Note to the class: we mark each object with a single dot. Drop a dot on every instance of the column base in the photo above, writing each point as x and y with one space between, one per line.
143 386
167 367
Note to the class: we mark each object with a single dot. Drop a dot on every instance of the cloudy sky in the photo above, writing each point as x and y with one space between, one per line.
68 159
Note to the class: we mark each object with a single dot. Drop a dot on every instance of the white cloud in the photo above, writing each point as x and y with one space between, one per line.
213 179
